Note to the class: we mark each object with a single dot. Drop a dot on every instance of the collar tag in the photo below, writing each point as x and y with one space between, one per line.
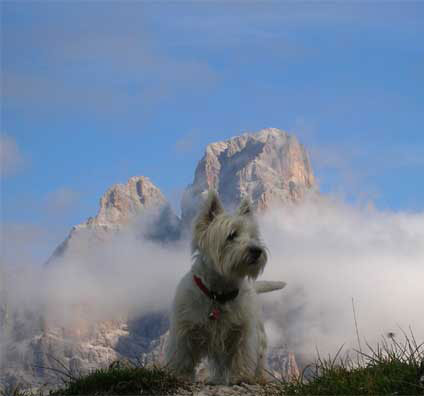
215 314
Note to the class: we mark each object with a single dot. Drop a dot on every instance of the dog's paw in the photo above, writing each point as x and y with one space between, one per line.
216 381
239 381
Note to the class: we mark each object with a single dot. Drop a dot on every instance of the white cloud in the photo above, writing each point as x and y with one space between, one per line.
11 158
329 253
113 277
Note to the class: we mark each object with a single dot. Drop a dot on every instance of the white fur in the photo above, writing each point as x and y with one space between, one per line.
228 254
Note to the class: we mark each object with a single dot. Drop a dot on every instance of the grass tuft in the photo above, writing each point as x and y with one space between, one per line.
391 368
123 380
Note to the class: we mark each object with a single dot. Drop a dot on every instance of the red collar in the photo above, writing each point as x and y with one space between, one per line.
220 297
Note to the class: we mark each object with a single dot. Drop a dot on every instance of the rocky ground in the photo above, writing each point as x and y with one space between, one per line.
200 389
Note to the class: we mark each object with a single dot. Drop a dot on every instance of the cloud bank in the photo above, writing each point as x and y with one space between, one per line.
328 253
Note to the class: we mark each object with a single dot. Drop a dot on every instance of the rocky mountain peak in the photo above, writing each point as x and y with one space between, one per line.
119 206
122 202
269 166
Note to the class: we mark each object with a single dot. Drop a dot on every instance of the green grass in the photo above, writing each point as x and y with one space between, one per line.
392 368
123 380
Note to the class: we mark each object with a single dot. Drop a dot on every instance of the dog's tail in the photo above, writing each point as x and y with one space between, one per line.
268 286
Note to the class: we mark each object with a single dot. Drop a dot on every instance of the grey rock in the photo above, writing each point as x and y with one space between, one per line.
270 167
283 363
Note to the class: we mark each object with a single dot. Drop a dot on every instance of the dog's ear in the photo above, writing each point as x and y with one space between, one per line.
211 208
245 208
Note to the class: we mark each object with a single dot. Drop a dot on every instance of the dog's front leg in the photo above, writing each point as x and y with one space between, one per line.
223 359
219 368
243 362
182 355
229 368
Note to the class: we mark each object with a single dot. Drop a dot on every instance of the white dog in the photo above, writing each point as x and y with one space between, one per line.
215 312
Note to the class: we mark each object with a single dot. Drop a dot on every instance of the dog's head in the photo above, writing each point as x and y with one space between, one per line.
231 243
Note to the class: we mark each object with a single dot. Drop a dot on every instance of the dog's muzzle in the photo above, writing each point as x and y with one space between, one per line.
254 254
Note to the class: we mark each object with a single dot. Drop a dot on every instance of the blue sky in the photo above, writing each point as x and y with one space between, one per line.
96 92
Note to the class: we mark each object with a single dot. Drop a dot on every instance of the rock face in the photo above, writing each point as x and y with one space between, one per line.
121 206
43 356
122 203
283 363
270 167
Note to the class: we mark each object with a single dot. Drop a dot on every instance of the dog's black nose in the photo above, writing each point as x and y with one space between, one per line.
255 252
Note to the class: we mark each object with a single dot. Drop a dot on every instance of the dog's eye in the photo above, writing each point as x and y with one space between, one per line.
232 235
